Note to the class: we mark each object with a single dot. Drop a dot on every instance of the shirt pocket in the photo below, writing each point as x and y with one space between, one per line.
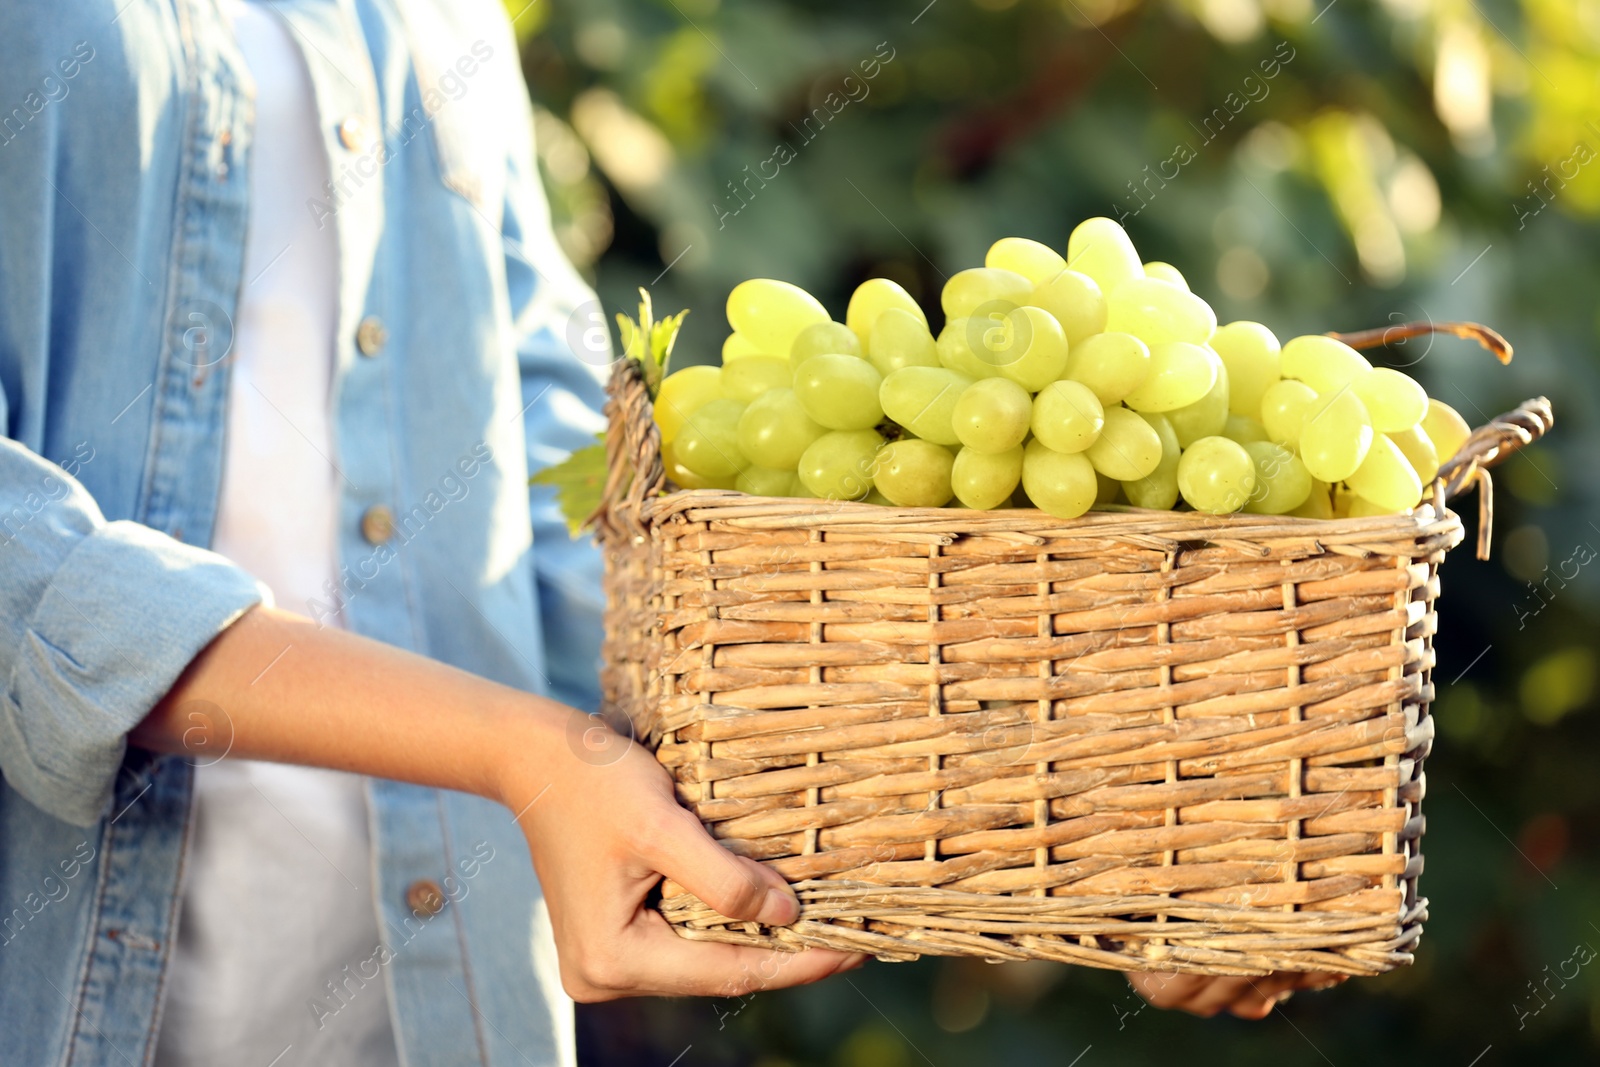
465 64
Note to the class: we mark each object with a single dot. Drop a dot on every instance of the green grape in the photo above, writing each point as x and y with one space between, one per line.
838 465
1282 481
800 489
1349 504
1283 410
823 339
1112 365
1336 436
986 480
914 473
1034 261
1206 417
923 399
682 393
1325 364
1445 428
737 346
1166 272
1394 401
1216 475
1157 312
1128 447
1418 449
955 352
1158 489
708 444
685 478
1386 478
1250 353
983 290
1073 300
992 415
879 499
1359 507
1060 483
1109 489
770 313
775 430
900 339
1067 417
747 378
1101 249
764 481
1244 430
1026 345
840 392
873 297
1318 503
1180 374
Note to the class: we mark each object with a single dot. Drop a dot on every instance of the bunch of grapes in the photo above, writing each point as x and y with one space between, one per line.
1055 383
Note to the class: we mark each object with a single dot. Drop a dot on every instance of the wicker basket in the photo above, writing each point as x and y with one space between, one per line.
1137 740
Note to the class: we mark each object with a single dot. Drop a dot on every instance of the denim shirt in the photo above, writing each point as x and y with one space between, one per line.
125 138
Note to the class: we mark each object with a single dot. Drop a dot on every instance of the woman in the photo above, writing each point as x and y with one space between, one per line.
282 329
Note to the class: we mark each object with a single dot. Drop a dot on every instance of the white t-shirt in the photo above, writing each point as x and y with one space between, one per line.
278 895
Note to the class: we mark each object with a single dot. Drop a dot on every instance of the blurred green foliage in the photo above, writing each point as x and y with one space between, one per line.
1403 159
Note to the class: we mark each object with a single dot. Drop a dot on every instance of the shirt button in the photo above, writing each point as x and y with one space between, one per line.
371 336
377 524
424 897
354 133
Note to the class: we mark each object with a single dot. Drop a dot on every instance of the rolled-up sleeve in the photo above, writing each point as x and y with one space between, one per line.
564 352
99 619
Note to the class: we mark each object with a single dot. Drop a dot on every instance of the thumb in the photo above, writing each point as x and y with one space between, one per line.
734 886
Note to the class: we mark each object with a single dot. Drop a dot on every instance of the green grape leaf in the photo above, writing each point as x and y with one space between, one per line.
649 341
580 479
579 482
663 335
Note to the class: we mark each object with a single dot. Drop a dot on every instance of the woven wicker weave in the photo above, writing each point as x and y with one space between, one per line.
1134 740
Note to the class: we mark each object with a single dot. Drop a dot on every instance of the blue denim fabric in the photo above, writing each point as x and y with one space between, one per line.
125 137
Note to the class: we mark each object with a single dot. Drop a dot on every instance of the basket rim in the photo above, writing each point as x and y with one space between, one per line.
1422 531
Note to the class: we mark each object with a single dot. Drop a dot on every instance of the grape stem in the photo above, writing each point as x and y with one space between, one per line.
1498 346
890 430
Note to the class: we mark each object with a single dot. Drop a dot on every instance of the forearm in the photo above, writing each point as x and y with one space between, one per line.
274 686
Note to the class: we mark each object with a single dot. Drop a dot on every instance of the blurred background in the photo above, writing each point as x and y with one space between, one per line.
1310 164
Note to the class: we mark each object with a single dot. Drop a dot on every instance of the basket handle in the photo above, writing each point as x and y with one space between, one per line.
1491 340
1488 445
633 452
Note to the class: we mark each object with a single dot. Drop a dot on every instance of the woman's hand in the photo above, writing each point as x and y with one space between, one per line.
603 830
1205 995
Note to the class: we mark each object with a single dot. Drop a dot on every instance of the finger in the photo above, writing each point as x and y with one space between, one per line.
1255 1005
1166 989
732 885
1219 994
1249 998
1198 994
1279 982
1265 993
1286 982
664 963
